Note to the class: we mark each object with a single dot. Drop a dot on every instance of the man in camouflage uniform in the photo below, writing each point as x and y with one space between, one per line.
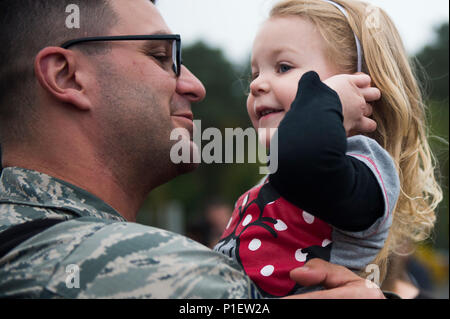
85 138
116 259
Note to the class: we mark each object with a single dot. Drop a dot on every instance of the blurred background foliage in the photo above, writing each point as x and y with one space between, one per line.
434 59
433 73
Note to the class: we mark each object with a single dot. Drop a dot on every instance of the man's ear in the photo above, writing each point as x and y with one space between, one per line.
56 70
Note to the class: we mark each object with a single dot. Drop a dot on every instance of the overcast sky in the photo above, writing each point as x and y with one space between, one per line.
232 24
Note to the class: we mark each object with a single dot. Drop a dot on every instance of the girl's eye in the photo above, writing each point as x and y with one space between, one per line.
284 68
254 76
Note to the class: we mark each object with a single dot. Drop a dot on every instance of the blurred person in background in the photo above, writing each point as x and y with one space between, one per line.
408 278
214 219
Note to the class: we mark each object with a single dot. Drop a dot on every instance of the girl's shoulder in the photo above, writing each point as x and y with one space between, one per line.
376 158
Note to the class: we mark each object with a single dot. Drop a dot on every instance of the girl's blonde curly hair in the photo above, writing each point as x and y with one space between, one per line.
400 114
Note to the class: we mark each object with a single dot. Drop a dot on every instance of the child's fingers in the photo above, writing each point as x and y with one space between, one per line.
367 110
371 94
361 80
366 125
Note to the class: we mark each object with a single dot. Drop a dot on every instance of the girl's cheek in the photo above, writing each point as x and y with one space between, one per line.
251 111
291 90
287 93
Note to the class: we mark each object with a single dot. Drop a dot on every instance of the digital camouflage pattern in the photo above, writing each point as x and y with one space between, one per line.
116 259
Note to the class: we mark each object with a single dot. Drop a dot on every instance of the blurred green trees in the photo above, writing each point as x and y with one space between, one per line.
434 59
434 77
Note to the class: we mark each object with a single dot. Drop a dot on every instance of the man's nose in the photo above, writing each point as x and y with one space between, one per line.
189 86
259 86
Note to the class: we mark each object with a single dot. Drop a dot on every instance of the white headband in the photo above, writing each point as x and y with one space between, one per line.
358 44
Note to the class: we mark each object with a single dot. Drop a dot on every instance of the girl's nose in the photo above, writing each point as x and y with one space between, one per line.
259 86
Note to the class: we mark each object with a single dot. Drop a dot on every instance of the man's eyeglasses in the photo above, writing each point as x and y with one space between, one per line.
174 40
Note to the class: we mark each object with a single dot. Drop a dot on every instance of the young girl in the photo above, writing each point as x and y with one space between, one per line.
350 201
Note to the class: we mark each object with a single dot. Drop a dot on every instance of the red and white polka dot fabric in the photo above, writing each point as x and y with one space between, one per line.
270 237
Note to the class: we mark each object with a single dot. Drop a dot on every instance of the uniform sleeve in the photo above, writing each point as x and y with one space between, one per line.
127 260
315 171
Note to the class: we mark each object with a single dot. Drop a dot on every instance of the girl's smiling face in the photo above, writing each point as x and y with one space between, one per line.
284 49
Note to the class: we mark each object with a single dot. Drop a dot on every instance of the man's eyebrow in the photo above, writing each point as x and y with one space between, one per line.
160 32
148 45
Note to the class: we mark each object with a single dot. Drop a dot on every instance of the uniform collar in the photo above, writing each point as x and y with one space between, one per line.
21 186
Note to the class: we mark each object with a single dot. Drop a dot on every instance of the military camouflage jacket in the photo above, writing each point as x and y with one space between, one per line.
95 253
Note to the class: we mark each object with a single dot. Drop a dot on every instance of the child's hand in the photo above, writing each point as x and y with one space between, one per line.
355 94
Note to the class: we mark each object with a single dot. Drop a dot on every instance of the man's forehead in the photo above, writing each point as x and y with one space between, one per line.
138 17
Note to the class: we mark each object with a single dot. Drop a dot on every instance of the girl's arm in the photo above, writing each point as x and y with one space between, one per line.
314 170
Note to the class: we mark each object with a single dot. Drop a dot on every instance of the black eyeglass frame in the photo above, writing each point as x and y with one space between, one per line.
176 37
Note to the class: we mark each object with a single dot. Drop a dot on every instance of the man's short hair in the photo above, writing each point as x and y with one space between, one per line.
27 27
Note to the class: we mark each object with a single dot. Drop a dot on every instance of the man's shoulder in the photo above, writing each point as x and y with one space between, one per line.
128 260
14 213
32 262
23 190
121 260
